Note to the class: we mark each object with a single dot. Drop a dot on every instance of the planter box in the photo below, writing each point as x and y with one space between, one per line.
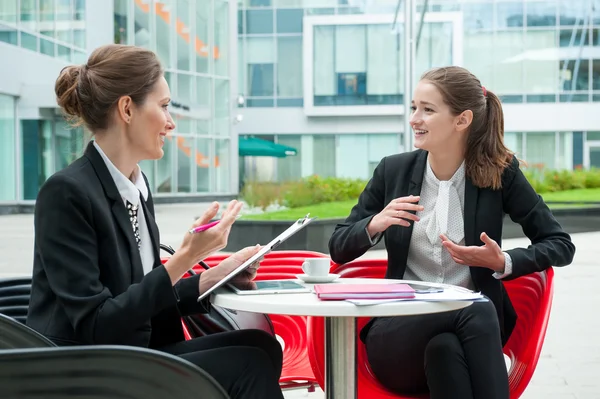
315 236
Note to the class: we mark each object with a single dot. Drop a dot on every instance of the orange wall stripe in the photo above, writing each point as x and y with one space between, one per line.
159 9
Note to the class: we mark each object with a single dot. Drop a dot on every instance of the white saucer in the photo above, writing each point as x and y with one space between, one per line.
318 279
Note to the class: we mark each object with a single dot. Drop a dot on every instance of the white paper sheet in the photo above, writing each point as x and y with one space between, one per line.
449 295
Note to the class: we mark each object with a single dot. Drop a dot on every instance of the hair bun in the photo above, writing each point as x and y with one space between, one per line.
66 92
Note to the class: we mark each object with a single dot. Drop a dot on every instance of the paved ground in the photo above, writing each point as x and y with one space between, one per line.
570 364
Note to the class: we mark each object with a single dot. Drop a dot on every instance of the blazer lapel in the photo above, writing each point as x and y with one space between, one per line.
471 197
414 188
118 208
152 228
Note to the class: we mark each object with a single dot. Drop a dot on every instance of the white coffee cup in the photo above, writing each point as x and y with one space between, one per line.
316 267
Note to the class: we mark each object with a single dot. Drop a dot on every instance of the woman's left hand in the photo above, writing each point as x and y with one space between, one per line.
488 255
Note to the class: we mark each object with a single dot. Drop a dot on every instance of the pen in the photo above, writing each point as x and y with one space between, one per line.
207 226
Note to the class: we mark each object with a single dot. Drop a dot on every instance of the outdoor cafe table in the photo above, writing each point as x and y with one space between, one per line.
340 323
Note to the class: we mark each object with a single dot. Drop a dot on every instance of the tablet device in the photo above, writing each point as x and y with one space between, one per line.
290 231
269 287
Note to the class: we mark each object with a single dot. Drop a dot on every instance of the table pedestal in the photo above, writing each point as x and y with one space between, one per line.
340 358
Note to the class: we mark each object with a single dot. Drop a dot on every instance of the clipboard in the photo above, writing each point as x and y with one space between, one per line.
290 231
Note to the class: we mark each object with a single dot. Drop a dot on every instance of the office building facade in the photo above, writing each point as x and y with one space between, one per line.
194 41
327 77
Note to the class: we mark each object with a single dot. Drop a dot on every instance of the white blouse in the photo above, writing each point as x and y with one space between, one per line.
130 191
443 213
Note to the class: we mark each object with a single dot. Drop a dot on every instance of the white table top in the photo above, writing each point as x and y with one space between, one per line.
307 304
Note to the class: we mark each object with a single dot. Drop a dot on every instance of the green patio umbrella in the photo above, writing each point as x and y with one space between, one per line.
255 147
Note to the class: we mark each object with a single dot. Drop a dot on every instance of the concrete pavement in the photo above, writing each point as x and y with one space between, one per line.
569 367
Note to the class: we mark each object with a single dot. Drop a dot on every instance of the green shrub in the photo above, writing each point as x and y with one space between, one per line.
258 194
315 189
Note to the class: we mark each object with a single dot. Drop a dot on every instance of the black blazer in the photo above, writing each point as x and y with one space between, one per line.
484 209
88 282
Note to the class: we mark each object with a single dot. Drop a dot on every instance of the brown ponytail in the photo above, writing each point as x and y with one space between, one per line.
486 156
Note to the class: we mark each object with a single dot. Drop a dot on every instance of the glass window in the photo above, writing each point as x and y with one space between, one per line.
222 166
7 149
541 149
8 12
47 47
260 80
142 24
164 32
38 159
79 10
478 16
384 62
509 14
573 12
29 41
240 19
541 71
8 34
350 49
575 75
259 3
202 37
121 23
289 66
289 20
28 15
514 142
352 156
541 13
574 38
289 168
184 88
182 34
164 166
259 21
202 165
221 36
508 61
46 15
260 56
479 58
222 104
324 61
324 159
203 92
241 70
596 75
68 144
185 147
64 17
435 47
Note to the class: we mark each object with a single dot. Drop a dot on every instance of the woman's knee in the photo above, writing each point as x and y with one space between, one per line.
268 343
444 348
480 318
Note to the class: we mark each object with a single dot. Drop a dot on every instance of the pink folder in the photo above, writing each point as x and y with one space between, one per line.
363 291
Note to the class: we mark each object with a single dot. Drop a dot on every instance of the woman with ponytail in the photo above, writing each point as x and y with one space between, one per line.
440 210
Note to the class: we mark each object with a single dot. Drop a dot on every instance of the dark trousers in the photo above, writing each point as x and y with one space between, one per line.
453 355
246 363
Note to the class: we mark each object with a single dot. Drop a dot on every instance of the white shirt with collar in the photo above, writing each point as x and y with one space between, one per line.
130 191
443 213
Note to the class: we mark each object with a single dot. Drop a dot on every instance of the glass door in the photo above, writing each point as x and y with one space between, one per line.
591 154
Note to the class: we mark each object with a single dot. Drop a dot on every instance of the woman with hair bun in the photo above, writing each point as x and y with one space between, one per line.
97 273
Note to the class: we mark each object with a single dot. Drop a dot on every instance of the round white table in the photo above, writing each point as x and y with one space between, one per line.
340 323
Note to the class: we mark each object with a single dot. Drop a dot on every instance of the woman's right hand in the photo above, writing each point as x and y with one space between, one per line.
198 246
397 212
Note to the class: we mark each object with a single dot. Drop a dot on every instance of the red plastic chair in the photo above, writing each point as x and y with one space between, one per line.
531 296
297 370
